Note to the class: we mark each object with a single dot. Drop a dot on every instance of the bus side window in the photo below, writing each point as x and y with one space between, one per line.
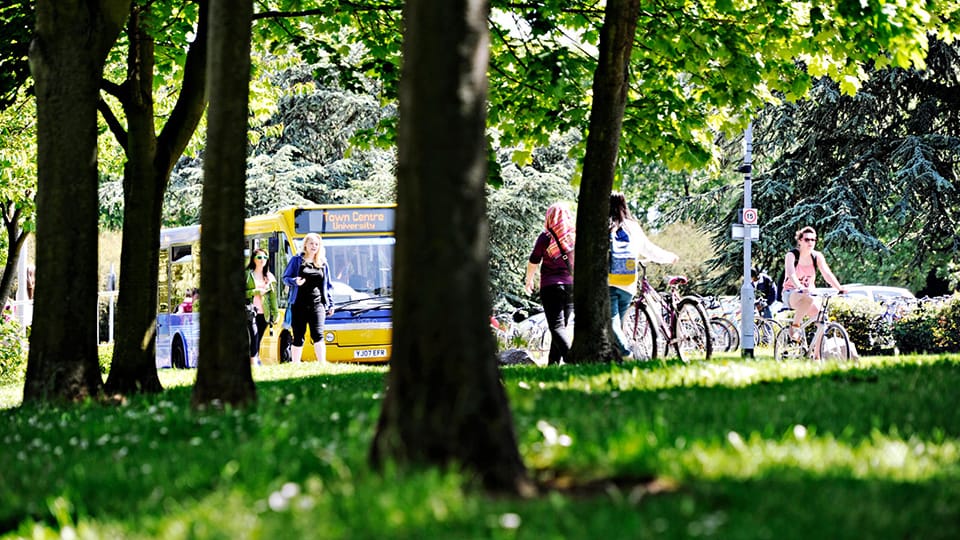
163 282
280 250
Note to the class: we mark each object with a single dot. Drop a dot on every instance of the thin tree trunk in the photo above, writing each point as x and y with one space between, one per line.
593 340
67 57
16 237
223 372
444 403
134 369
150 160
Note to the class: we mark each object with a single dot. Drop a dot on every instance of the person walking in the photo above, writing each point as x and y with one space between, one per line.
628 244
262 297
552 255
311 296
766 292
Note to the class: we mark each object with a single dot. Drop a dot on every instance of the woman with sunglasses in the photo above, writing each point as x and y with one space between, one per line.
262 296
800 275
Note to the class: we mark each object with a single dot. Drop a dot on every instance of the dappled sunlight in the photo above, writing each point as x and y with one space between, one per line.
879 457
733 373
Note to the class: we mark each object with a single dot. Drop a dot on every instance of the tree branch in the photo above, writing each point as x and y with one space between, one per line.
119 132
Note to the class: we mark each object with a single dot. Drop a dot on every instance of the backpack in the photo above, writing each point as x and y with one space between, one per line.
623 263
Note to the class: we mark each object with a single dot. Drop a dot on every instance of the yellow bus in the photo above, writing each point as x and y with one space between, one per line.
359 242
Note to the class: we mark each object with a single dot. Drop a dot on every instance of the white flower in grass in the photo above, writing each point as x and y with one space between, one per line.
552 436
800 432
510 521
736 441
524 385
290 490
277 502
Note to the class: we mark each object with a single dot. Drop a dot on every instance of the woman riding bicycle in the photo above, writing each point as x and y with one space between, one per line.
800 275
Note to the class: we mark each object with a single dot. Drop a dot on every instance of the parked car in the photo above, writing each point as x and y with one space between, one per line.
877 293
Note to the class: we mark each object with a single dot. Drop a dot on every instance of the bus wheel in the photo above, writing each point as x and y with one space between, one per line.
284 345
178 356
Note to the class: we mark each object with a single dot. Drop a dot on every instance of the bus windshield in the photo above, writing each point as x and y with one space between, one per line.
363 265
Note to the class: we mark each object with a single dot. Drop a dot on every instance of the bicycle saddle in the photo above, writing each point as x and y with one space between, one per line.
676 280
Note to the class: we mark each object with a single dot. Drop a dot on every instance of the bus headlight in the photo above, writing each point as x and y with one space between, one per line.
329 336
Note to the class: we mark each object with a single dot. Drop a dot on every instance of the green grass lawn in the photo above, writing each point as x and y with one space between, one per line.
723 449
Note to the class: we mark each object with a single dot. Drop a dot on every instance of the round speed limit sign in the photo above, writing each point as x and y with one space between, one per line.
749 216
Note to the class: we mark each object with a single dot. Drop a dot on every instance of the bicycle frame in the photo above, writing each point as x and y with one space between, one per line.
830 339
676 322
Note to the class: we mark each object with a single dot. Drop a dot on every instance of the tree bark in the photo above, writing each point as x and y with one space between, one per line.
67 56
223 372
150 160
593 339
444 403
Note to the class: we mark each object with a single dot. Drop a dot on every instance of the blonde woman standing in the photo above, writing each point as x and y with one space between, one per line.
311 298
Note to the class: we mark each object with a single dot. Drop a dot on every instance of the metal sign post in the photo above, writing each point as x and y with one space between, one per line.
750 233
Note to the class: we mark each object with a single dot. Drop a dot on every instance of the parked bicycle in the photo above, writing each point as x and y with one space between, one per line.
656 325
817 338
725 320
724 334
524 327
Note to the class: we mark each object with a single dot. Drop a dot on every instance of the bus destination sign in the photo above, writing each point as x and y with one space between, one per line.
345 221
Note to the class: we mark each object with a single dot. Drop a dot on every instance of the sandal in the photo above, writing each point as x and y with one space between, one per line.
795 332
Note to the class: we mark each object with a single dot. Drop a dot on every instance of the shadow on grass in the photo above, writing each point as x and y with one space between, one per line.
654 450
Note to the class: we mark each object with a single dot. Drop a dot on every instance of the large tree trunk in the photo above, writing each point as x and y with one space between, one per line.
150 160
444 402
593 340
67 56
223 372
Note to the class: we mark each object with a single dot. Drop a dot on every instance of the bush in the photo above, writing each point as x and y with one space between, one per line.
13 350
914 332
870 332
946 331
931 327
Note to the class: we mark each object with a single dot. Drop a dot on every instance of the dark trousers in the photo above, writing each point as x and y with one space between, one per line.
557 308
256 329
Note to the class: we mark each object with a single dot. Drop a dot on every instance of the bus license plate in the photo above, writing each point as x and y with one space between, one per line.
370 353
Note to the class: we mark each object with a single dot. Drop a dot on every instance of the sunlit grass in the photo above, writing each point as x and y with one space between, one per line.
738 449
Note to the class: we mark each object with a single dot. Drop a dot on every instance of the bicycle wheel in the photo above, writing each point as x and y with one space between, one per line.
835 343
691 331
787 348
537 337
766 332
639 330
724 334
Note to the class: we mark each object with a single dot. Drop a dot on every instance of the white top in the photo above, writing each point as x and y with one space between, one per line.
641 248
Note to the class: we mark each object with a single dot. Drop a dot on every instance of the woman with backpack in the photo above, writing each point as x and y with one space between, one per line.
628 244
553 256
800 275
